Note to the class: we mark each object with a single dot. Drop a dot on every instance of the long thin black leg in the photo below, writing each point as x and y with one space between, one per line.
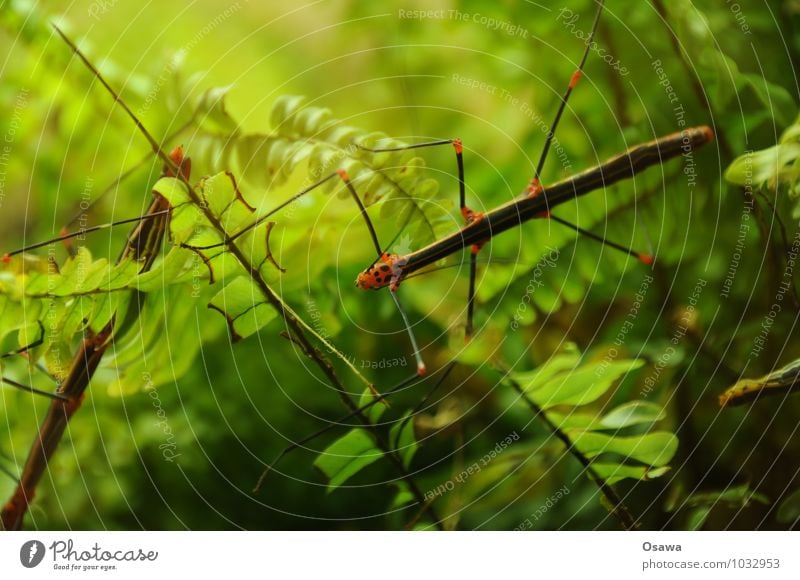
33 390
421 368
535 187
473 265
642 257
468 214
562 106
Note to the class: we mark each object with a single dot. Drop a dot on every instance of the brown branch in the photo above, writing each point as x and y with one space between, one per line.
55 422
72 388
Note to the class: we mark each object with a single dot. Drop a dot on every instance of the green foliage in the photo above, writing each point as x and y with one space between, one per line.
311 137
564 387
699 505
772 168
254 144
789 510
347 456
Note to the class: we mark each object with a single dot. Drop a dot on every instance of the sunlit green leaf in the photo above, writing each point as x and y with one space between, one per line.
347 456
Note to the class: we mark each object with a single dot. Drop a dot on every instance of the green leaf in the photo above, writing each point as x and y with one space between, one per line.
577 386
655 449
211 112
697 518
347 456
173 190
736 496
789 510
243 306
559 363
762 166
404 496
633 413
614 472
282 110
403 439
776 100
375 412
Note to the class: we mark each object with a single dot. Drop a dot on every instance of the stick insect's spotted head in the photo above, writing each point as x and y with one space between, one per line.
387 271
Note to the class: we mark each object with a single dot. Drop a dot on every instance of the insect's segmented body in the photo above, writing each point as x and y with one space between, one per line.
391 269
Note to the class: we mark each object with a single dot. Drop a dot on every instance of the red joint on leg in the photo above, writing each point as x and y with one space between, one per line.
6 259
422 370
645 259
475 248
471 216
576 76
708 133
534 188
543 215
457 145
343 174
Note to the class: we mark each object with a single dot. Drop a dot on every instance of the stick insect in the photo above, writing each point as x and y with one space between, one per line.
536 202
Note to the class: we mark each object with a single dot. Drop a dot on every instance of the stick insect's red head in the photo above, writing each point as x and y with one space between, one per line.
387 271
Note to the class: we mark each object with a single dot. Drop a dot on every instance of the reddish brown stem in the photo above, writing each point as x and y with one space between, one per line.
55 423
142 245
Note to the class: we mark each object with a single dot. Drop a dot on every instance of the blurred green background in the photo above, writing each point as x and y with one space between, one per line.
415 78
